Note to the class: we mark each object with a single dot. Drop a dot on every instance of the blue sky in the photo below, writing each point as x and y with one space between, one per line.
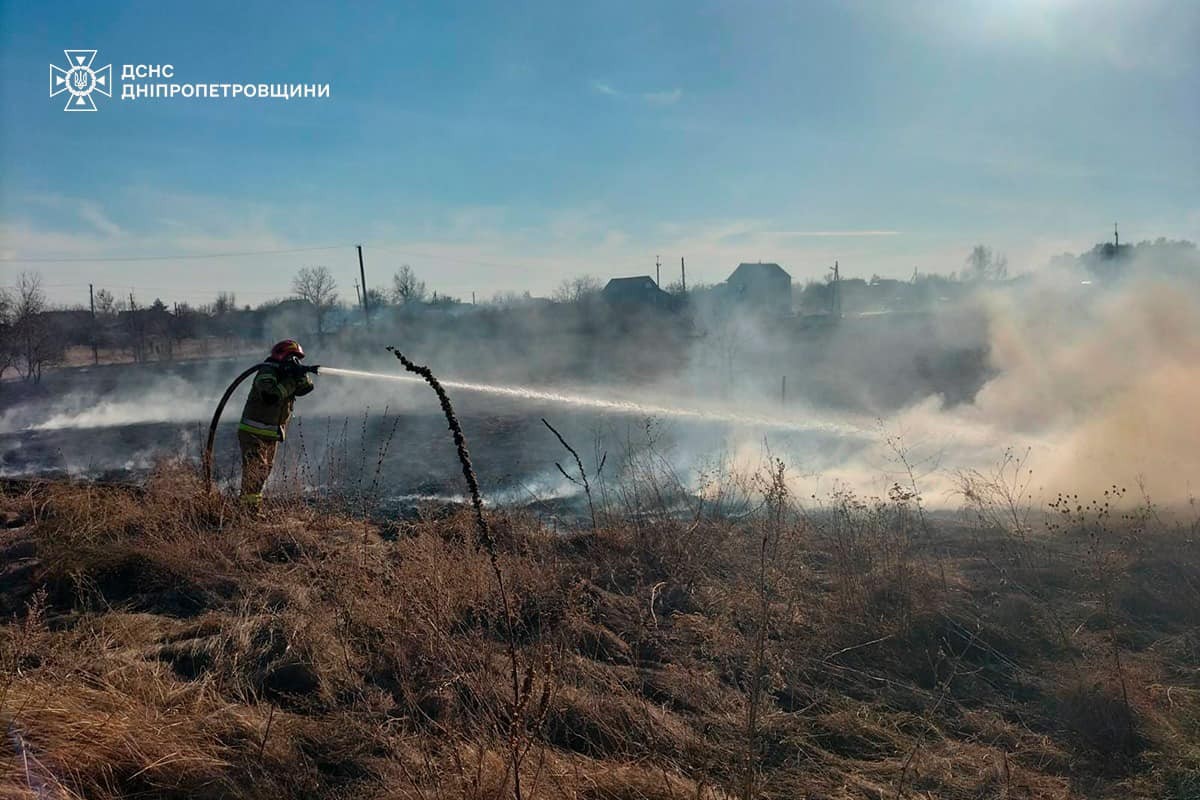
506 146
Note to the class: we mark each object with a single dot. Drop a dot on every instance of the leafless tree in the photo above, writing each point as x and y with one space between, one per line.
8 349
135 328
577 290
106 304
224 304
984 265
376 299
316 285
406 288
37 343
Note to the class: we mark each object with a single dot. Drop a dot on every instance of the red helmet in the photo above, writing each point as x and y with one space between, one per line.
288 347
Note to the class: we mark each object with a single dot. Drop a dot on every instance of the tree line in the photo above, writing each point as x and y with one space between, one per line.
35 335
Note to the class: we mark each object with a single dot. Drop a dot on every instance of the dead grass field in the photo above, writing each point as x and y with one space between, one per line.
156 643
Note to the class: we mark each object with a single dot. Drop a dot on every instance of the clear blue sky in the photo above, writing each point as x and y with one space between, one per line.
506 146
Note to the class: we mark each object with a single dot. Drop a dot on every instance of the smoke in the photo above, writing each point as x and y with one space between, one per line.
169 399
1105 388
1095 375
1098 382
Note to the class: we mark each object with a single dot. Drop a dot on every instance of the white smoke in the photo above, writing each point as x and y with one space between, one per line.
1100 383
1098 380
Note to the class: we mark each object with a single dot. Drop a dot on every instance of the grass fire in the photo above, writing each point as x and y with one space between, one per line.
669 401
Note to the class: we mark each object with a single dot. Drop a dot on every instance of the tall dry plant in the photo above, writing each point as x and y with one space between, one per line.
775 495
1104 554
522 690
583 478
1002 501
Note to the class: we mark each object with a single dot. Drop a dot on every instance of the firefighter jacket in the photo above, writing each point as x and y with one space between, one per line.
272 395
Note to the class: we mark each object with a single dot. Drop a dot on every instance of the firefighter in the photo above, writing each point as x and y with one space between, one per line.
280 380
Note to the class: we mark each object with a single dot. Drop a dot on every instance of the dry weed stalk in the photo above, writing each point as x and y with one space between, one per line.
521 690
1104 555
587 487
775 491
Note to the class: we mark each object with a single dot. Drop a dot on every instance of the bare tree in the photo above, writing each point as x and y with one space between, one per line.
577 290
106 304
984 265
37 343
224 304
8 349
135 326
316 285
376 299
406 288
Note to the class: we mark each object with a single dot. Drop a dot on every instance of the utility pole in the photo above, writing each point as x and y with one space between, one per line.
682 276
135 331
837 291
357 294
783 391
95 350
657 272
472 298
362 274
1116 238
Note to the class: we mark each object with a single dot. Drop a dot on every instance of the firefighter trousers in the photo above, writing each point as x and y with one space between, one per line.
258 456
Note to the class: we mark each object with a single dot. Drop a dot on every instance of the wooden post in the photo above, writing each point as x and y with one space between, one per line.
95 350
135 332
682 276
837 291
362 274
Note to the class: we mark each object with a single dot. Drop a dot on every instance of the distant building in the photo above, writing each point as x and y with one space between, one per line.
765 287
635 293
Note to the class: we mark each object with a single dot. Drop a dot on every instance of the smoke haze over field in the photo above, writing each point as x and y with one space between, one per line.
1097 380
1100 383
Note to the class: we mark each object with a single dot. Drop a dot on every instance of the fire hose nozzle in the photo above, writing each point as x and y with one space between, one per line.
313 368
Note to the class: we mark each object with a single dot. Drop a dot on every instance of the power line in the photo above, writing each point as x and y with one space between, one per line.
401 250
171 257
175 289
398 249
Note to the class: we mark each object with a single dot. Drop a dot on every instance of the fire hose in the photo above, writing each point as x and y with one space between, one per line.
212 427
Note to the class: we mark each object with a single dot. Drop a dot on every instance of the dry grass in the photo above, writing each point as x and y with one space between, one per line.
158 644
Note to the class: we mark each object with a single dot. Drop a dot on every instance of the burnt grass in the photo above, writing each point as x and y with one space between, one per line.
157 643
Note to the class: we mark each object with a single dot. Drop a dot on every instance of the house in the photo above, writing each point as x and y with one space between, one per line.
764 287
636 293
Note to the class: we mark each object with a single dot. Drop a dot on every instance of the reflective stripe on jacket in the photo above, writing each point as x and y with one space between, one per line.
272 395
261 429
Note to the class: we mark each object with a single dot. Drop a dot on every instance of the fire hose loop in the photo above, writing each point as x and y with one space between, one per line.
212 427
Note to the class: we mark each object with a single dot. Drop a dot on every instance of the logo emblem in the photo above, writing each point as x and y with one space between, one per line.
80 80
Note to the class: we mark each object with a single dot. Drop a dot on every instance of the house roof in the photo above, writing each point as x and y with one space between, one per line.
749 271
639 282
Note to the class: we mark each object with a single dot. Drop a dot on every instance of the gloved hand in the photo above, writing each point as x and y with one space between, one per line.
292 366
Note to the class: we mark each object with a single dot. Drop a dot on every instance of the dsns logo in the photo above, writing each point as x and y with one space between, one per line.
80 80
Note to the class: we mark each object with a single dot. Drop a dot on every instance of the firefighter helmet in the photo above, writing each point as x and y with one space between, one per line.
286 348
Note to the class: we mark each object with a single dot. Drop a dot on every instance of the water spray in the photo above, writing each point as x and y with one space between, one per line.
617 406
543 395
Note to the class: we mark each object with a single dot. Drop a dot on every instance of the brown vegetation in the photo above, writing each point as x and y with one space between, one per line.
156 643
